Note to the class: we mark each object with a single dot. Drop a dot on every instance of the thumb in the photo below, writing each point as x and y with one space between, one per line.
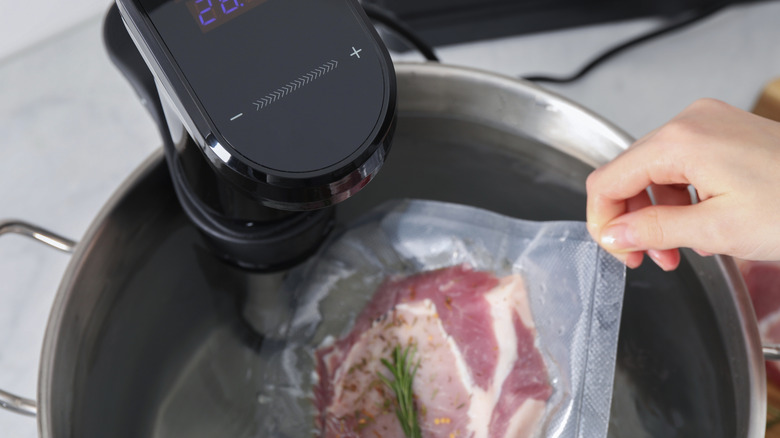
661 227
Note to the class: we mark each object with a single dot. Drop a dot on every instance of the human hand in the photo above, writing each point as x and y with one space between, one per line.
731 158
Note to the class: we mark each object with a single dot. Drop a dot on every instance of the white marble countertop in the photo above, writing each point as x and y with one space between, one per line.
72 131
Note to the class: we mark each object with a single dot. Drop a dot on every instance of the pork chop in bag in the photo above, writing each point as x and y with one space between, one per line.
426 319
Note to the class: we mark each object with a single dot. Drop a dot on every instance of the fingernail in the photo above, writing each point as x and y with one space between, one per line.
656 256
617 238
634 259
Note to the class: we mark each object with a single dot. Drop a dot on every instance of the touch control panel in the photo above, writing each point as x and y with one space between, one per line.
293 100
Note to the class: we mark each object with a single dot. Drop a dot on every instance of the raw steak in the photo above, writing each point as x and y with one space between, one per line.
763 283
480 374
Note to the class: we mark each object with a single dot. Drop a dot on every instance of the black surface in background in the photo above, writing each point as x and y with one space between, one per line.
442 22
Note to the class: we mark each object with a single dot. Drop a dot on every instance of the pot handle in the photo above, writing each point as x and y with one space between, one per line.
772 352
14 403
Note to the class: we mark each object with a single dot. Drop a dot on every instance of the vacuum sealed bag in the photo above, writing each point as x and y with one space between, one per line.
427 319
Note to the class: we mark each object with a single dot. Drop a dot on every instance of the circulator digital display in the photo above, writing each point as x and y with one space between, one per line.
210 14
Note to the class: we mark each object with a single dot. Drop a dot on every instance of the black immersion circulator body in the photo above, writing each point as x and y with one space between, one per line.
271 112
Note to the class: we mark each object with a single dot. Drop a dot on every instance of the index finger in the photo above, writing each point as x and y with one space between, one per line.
649 161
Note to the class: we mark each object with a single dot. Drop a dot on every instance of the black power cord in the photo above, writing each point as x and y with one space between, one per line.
389 20
682 21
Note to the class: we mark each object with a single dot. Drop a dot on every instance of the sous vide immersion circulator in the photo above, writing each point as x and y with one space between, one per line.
272 111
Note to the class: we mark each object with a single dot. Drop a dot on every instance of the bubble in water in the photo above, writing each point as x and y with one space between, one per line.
263 399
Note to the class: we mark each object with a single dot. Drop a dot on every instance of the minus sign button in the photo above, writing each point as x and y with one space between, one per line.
236 116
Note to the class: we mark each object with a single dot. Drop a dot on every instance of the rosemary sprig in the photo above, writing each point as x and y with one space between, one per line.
403 376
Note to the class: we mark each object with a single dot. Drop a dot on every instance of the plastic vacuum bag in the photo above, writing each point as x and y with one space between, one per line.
574 291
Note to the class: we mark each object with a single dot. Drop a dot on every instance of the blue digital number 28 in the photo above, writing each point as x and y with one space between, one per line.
207 14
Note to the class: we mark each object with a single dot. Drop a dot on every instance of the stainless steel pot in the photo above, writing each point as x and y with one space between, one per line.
150 336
